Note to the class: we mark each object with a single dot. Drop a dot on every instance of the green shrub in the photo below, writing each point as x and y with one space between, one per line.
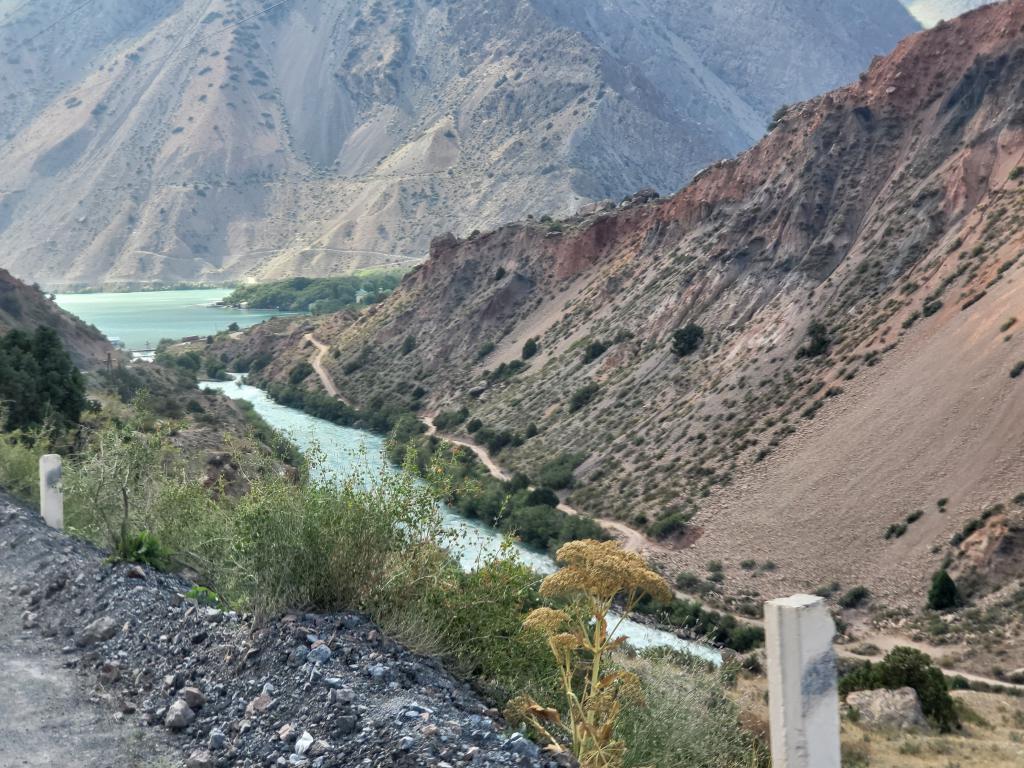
583 396
687 339
19 464
855 597
669 525
474 425
818 340
448 420
593 351
1017 370
408 344
904 667
943 594
530 349
299 373
558 473
690 719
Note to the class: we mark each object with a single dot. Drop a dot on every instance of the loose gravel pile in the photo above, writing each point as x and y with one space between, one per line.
314 690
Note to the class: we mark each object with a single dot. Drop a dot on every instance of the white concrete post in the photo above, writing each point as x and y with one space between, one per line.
51 495
803 696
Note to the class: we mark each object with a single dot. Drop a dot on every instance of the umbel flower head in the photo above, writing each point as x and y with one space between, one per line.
546 620
601 570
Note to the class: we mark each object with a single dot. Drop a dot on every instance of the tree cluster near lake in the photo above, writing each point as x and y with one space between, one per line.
318 295
38 381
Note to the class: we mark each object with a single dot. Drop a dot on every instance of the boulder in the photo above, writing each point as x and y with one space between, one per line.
179 716
897 709
200 758
193 697
98 631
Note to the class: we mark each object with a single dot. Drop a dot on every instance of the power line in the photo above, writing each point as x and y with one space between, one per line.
9 14
43 31
242 21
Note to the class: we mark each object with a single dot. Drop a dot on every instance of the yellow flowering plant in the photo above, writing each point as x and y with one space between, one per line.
594 575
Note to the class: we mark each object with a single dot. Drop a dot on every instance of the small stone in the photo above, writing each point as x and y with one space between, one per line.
200 758
193 697
288 733
319 655
217 739
179 716
259 705
345 725
135 572
318 748
100 630
110 672
406 743
303 743
29 620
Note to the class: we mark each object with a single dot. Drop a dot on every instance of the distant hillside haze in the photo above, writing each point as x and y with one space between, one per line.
931 12
218 140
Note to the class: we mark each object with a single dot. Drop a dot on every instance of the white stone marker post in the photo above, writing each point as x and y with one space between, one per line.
803 696
51 495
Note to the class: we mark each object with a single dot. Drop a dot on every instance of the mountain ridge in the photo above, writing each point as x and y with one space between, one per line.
222 140
886 213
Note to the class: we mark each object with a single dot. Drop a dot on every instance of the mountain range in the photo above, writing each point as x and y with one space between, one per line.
805 348
216 140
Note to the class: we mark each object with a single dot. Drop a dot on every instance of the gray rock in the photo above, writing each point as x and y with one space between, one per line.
319 655
200 758
98 631
895 710
217 739
179 716
193 697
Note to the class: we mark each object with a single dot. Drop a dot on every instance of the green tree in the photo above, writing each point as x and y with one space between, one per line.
38 381
529 349
687 339
943 594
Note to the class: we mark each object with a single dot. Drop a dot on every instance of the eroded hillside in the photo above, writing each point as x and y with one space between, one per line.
225 139
856 277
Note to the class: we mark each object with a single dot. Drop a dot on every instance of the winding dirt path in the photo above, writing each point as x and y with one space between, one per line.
635 541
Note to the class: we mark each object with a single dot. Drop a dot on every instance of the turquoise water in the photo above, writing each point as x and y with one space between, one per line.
141 319
344 448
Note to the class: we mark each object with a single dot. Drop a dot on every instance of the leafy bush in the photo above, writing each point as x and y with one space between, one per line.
904 667
943 594
593 351
448 420
687 339
669 525
530 349
583 396
558 473
19 464
299 373
855 597
1017 370
818 340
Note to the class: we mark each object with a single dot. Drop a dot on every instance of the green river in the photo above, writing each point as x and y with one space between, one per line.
141 319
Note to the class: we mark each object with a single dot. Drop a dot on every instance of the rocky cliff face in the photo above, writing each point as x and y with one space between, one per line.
857 279
216 139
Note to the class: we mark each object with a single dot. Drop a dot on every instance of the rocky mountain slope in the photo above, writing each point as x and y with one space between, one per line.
931 12
857 281
25 308
222 139
303 690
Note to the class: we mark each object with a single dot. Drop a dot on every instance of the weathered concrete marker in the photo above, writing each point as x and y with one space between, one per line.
803 696
51 495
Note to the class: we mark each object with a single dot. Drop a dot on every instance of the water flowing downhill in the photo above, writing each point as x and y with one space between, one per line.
343 447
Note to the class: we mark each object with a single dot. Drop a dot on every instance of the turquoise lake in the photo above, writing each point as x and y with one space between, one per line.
141 319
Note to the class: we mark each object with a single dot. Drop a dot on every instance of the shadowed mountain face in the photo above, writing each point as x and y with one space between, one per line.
853 287
207 139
